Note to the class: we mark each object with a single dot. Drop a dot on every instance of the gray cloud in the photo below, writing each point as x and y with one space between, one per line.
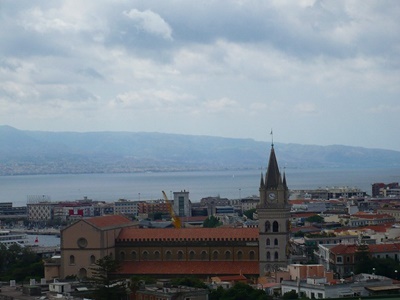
319 72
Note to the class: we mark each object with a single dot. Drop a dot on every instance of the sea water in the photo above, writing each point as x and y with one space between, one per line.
149 186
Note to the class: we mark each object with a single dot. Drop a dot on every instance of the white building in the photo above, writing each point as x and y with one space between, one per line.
319 288
126 207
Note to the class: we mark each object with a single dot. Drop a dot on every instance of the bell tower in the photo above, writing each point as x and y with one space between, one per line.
274 218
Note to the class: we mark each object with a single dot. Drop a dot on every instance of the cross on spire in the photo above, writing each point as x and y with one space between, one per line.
272 138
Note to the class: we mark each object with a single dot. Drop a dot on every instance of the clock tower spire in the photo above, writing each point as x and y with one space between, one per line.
273 214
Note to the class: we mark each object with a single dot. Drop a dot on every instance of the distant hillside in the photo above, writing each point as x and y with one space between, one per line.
40 152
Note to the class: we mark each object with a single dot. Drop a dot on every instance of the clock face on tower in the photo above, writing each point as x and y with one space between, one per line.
271 197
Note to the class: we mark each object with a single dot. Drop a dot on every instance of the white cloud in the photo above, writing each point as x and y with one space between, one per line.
219 105
150 22
305 107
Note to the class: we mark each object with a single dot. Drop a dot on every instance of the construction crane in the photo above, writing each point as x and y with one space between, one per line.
176 221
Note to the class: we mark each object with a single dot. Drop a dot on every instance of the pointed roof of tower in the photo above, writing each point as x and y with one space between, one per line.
262 180
273 177
284 181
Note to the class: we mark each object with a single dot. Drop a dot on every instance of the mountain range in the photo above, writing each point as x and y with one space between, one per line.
45 152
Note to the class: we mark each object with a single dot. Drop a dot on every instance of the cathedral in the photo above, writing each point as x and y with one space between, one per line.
200 252
274 219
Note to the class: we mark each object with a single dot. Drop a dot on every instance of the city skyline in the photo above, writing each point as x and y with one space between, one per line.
315 72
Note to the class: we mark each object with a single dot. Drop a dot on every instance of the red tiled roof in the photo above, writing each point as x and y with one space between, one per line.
305 229
232 278
344 249
188 233
376 248
377 228
371 216
298 201
108 221
379 248
208 268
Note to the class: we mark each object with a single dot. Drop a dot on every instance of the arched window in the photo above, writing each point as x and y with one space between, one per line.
275 226
227 255
252 255
157 255
92 259
239 255
168 255
276 256
133 255
191 255
180 255
203 255
122 256
276 242
268 256
268 242
215 255
145 255
71 260
267 226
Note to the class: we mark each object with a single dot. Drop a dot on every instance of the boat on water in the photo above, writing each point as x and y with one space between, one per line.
8 238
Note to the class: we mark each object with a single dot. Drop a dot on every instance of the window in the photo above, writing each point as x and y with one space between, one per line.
275 226
267 226
181 201
191 255
92 259
168 255
268 256
276 255
227 255
215 255
339 259
268 242
276 242
133 255
157 255
180 255
239 255
71 260
203 255
145 255
252 255
122 256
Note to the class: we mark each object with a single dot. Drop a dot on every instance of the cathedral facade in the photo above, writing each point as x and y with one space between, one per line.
274 219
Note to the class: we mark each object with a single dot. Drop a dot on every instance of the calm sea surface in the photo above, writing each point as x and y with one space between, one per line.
44 240
147 186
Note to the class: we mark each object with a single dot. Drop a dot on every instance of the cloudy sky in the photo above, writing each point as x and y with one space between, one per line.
317 72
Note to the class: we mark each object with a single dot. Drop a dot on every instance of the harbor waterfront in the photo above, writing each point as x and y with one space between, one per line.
147 186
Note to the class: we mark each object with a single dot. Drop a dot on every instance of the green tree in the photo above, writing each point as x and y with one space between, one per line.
107 285
290 295
19 263
299 234
249 213
363 260
189 281
240 291
315 219
211 222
